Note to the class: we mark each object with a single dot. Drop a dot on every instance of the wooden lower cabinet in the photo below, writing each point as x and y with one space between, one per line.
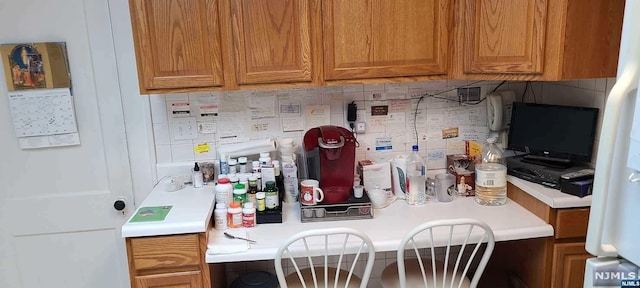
557 261
176 261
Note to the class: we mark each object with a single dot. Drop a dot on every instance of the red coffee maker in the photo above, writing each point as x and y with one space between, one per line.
330 155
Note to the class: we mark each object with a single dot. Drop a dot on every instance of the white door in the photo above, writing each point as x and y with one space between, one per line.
58 227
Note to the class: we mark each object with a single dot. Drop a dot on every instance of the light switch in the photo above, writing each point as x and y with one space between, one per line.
184 128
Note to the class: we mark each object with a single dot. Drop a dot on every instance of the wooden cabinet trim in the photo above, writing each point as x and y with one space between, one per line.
530 203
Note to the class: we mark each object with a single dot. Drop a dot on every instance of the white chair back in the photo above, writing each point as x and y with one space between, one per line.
467 233
315 253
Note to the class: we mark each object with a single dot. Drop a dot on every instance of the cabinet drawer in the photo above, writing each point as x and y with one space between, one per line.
571 223
165 251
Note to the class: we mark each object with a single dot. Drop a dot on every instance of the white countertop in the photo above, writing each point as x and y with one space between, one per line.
508 222
552 197
192 209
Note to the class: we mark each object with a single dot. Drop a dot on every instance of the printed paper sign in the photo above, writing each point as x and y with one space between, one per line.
383 143
450 133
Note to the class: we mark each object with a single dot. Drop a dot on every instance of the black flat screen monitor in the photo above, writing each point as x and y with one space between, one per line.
553 131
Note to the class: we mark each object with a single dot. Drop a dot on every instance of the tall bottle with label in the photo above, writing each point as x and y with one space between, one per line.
416 171
491 176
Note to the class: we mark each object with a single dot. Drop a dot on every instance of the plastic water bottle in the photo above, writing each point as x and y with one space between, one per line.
416 171
491 176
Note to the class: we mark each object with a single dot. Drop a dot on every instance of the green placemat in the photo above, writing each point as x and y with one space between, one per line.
150 214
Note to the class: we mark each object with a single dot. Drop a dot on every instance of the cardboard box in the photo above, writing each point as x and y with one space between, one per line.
462 166
375 174
35 66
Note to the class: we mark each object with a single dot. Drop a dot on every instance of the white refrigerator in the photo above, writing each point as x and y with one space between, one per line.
614 223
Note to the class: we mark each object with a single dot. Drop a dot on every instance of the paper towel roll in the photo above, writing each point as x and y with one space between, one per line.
248 148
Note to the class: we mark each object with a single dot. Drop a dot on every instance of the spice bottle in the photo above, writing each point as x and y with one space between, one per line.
248 215
271 200
253 189
234 215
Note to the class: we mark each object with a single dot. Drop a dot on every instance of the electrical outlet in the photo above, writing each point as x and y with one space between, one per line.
360 127
469 94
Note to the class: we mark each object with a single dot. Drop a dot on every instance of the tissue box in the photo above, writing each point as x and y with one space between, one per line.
375 174
462 166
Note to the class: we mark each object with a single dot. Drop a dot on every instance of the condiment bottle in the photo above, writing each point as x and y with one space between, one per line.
220 217
248 215
197 179
271 200
234 215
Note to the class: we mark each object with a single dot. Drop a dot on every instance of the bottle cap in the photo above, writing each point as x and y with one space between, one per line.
239 186
255 164
242 160
260 195
414 148
248 205
253 178
234 205
233 162
221 206
271 184
224 181
196 167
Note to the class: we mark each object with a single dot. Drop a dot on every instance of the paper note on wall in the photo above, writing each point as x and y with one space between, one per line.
316 115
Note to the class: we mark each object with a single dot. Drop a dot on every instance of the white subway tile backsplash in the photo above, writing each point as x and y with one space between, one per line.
163 154
158 110
161 133
601 84
182 152
177 97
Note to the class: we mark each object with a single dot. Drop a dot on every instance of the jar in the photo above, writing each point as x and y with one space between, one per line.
220 217
255 167
233 166
248 215
260 200
234 215
234 179
239 193
253 189
242 164
224 191
244 179
276 167
271 200
258 180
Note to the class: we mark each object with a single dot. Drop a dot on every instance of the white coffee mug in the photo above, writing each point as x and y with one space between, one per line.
310 192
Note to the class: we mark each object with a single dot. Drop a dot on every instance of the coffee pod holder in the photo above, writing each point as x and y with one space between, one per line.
352 209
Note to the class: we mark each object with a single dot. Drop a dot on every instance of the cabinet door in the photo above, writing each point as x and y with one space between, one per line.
568 265
272 40
378 38
191 279
503 36
177 43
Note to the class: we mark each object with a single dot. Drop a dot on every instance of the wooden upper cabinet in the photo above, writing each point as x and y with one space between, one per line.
378 38
272 40
504 36
536 39
177 43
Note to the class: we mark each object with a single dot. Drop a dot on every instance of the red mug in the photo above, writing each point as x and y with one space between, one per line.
310 192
